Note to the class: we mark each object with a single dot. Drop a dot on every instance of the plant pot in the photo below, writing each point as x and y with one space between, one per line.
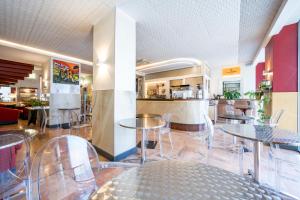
230 102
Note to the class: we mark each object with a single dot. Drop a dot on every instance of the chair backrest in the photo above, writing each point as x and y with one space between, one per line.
64 168
74 118
229 109
276 117
167 118
14 165
209 127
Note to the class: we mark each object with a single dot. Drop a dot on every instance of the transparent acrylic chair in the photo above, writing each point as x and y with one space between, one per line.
76 123
46 118
205 135
67 167
275 118
286 167
14 166
166 130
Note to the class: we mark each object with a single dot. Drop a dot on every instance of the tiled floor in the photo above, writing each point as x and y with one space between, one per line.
187 146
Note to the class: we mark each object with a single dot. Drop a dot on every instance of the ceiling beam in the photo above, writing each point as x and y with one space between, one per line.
15 63
16 71
7 78
6 65
17 77
6 82
9 73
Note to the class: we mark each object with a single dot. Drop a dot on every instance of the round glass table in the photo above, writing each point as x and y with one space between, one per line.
261 134
171 179
242 118
148 115
143 124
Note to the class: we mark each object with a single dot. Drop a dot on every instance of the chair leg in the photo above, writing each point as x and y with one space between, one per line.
160 145
44 126
171 142
241 160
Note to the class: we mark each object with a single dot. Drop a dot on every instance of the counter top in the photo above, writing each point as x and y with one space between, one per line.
171 99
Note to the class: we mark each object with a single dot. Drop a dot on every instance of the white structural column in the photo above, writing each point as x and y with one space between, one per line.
114 57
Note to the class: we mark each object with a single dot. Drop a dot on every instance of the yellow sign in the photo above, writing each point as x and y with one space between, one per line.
231 71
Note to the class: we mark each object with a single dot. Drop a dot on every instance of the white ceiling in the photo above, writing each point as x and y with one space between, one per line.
218 32
55 25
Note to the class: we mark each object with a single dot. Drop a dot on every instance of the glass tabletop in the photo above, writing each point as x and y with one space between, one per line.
142 123
71 108
147 115
235 117
171 179
262 133
9 140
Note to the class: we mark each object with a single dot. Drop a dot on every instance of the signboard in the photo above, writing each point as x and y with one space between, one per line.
231 71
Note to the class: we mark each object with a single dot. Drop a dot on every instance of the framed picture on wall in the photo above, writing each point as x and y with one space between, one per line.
65 72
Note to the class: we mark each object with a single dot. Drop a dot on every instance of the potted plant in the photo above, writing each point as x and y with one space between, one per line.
254 95
230 96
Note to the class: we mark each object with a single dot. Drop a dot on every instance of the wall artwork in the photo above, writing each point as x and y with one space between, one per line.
65 72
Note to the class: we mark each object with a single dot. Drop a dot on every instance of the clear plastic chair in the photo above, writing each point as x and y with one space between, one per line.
166 130
46 118
76 124
65 167
14 166
286 167
275 118
205 135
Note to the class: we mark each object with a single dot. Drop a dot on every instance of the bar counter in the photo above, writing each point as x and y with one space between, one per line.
186 113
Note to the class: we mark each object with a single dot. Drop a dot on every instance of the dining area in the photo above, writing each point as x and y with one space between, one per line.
149 100
218 161
57 172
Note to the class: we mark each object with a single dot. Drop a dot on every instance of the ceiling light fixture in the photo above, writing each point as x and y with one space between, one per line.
43 52
266 73
188 61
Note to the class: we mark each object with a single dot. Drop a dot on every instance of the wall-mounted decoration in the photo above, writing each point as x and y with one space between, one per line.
65 72
231 71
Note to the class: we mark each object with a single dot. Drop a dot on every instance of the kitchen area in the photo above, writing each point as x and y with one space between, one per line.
184 93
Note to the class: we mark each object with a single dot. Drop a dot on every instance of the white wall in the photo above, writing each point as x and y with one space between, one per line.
125 52
104 53
125 66
247 79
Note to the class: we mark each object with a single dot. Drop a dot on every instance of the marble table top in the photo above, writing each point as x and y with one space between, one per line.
142 123
171 179
262 133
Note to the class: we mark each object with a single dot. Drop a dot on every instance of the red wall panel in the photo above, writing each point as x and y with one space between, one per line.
259 73
282 58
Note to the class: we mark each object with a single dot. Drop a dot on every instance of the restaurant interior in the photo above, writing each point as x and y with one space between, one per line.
149 99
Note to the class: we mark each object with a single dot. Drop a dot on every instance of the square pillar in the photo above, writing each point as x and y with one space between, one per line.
114 96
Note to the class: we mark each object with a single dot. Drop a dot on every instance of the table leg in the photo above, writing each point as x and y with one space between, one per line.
143 146
256 155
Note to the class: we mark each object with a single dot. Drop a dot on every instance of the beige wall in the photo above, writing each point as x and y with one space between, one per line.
288 102
183 111
174 73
